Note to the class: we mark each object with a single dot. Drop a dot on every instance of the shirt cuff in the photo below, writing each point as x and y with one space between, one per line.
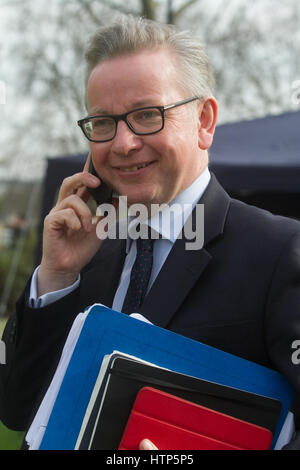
50 297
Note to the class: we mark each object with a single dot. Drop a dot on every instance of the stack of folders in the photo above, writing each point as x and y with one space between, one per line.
133 400
179 393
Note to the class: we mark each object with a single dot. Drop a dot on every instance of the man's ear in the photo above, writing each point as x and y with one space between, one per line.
208 114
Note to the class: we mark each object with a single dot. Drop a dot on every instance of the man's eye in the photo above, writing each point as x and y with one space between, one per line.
102 123
147 115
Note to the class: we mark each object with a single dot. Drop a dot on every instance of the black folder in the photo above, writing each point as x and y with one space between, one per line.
116 389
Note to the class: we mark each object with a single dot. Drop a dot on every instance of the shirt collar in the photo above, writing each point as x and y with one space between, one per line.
167 223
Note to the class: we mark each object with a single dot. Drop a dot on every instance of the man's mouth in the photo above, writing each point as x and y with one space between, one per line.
135 167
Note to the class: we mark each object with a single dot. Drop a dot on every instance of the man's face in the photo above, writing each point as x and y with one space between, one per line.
173 157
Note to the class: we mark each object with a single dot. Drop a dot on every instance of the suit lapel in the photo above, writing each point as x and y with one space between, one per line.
102 278
183 267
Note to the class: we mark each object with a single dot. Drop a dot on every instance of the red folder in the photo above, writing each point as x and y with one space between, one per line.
172 423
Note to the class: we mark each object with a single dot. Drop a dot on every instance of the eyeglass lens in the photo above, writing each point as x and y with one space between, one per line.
143 121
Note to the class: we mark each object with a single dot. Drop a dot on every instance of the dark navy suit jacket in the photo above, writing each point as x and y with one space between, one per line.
239 293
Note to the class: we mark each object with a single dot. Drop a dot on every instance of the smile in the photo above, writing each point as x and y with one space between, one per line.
135 168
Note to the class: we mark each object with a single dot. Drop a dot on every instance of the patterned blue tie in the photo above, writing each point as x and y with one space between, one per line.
140 275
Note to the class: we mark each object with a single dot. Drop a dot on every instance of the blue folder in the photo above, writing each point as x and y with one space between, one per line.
106 330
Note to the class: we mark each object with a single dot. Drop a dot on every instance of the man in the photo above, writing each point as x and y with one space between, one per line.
151 120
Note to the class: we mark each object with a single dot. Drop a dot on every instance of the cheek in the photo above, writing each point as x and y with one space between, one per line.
99 153
165 145
171 161
172 151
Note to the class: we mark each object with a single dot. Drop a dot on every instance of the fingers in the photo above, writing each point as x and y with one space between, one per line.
83 192
65 218
145 444
73 183
87 163
74 208
73 195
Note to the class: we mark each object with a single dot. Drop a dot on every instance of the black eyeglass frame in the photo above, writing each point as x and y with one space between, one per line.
123 117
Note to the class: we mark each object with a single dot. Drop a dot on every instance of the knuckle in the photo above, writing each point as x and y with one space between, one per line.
69 211
71 179
70 183
71 201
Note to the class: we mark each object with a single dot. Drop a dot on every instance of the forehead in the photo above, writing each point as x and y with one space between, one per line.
137 79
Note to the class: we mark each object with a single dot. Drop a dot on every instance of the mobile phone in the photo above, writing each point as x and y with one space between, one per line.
102 193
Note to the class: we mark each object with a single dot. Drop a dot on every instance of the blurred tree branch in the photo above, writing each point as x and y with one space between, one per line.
149 9
116 6
174 15
87 5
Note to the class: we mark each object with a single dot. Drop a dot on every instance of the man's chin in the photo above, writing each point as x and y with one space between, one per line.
139 198
134 204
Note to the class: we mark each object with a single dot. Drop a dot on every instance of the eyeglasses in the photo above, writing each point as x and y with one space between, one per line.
141 121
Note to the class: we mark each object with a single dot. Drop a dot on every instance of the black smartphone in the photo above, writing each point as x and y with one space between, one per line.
102 193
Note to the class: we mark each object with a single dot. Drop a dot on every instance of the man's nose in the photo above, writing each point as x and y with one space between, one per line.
125 140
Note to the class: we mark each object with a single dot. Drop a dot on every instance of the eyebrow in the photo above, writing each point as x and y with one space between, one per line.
136 104
95 111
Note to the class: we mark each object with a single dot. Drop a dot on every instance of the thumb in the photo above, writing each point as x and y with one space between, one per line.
145 444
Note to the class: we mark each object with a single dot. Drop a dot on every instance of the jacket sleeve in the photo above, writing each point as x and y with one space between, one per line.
282 322
34 339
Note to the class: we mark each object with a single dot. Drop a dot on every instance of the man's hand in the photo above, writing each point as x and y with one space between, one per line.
145 444
69 238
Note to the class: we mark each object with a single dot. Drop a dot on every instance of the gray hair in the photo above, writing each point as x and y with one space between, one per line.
128 34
